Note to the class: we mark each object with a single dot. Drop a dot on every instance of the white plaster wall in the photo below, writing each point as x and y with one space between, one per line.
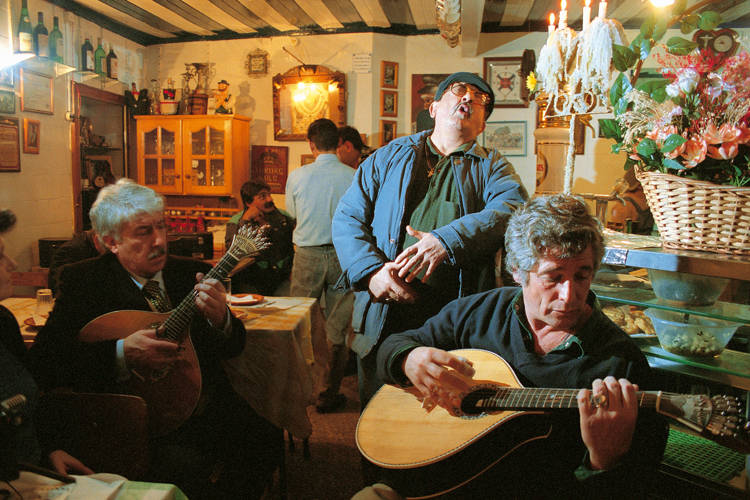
41 194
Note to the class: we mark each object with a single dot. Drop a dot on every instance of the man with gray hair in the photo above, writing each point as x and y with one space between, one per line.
136 274
553 334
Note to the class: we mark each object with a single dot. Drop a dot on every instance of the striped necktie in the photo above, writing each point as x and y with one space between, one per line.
153 294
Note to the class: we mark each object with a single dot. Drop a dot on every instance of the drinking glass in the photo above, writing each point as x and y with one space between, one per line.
44 302
227 282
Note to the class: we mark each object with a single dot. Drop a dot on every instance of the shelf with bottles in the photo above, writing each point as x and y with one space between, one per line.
44 48
46 66
193 213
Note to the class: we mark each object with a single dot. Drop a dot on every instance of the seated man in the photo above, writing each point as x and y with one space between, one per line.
19 443
269 274
553 334
224 449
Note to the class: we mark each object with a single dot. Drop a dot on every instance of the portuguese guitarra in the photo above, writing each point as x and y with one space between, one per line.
434 451
172 392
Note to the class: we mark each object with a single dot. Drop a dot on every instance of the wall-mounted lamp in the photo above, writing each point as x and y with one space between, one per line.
302 95
662 3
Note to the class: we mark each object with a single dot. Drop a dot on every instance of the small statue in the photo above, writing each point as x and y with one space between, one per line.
138 102
224 100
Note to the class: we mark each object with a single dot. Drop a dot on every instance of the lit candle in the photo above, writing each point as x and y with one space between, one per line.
551 26
586 14
563 15
602 10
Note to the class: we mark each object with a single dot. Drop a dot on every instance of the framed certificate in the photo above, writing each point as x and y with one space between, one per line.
37 92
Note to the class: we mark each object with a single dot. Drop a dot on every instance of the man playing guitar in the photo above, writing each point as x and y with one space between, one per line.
221 435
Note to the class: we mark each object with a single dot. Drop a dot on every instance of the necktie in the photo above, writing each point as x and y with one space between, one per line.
155 298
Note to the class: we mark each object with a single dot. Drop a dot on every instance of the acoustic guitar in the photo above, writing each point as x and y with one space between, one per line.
172 392
431 451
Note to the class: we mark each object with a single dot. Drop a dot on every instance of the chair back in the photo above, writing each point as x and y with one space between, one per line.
106 432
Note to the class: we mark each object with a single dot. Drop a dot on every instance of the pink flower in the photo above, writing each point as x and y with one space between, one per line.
695 151
727 151
727 133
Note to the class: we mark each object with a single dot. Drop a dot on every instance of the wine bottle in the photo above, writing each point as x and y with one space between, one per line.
100 60
25 33
111 63
56 45
41 38
87 57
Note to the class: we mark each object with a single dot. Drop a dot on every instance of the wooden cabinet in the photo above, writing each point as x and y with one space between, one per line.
202 155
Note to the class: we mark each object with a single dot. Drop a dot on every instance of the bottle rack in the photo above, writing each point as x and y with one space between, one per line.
188 219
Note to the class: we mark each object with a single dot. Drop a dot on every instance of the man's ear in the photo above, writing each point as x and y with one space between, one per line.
110 244
517 277
432 111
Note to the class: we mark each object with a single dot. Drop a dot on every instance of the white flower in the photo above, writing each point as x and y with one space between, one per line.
688 80
673 90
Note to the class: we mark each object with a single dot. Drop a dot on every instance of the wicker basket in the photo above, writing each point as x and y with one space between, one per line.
698 215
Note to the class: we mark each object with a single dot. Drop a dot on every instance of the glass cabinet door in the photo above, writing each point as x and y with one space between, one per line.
159 164
205 140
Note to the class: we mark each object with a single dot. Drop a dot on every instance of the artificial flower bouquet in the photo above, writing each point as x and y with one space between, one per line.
693 123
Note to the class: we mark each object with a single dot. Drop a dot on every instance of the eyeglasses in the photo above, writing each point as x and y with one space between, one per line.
460 90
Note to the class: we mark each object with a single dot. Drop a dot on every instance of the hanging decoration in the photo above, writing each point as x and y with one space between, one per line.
449 20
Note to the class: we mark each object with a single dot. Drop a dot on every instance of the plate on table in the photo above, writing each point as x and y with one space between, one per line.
245 299
35 321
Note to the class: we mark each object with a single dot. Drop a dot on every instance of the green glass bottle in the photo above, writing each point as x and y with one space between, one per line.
100 60
41 38
56 45
25 32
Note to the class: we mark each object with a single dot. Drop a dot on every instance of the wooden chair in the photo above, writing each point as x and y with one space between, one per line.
30 278
106 432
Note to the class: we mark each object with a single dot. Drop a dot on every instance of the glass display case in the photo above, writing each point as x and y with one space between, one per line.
201 155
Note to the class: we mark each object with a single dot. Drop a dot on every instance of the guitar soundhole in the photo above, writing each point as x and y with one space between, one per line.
473 402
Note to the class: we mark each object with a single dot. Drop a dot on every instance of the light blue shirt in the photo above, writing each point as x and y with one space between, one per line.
312 194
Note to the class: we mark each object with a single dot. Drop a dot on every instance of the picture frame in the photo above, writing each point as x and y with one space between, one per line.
270 164
10 145
37 92
423 88
6 76
257 63
508 137
389 75
387 131
306 159
504 76
302 95
7 102
31 136
388 103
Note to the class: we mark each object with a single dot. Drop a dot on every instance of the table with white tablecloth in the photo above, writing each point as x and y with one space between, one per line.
283 362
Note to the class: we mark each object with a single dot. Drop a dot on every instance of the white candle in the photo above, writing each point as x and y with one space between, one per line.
586 15
602 10
551 27
563 15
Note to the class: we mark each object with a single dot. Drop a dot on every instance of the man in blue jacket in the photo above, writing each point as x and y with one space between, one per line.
423 220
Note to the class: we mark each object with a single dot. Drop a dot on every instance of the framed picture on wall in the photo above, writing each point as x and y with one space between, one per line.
31 136
389 75
37 92
6 76
507 137
306 159
7 101
504 76
271 164
388 103
10 145
423 88
387 131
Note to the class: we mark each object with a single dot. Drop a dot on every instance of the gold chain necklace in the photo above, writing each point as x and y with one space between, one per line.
430 168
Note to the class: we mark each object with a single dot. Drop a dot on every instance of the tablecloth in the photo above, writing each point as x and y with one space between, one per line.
283 362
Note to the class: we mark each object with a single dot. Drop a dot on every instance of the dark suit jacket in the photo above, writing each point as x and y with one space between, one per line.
94 287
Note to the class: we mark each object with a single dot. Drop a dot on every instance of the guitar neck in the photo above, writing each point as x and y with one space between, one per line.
183 314
522 399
